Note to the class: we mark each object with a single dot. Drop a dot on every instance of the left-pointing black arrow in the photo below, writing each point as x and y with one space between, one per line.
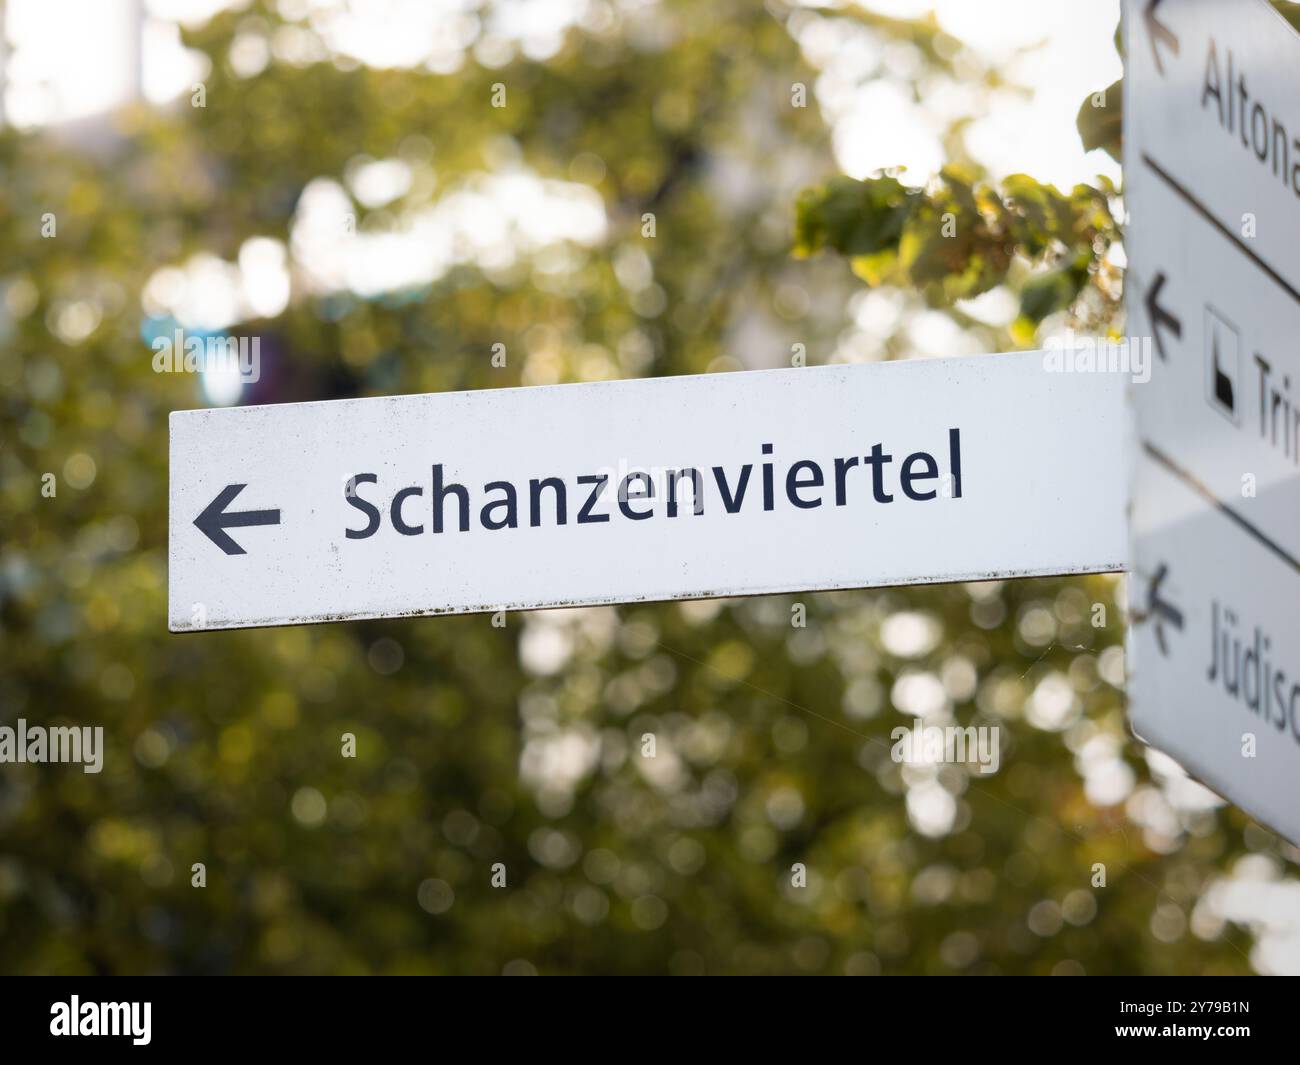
1161 609
1159 34
214 521
1161 317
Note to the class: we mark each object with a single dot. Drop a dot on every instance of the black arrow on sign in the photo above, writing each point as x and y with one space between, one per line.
1161 610
1159 33
1161 316
214 521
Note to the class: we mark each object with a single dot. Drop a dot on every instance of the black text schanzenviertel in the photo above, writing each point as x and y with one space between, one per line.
588 499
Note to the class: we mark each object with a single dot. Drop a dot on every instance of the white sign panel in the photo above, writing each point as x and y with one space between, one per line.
672 488
1212 185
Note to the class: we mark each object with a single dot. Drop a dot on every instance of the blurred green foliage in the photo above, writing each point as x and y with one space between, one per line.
521 745
955 239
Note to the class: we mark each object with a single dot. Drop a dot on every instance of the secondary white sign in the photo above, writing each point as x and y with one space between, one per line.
1212 184
671 488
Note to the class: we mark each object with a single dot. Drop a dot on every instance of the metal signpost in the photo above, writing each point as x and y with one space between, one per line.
672 488
1212 187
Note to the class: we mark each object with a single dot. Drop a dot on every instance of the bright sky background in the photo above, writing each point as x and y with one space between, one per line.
54 73
1077 57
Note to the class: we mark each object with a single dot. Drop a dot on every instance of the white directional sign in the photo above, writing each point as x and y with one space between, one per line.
673 488
1212 186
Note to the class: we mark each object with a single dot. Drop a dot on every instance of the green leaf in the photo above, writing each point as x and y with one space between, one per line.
1047 293
875 269
1103 126
853 217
